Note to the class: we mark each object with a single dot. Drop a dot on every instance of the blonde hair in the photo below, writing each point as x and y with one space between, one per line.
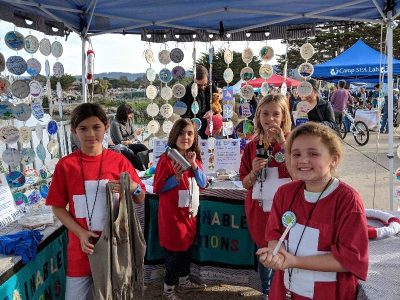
280 100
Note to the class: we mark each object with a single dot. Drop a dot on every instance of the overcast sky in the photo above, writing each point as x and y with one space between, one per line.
119 53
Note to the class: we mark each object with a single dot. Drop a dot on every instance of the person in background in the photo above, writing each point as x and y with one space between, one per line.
375 95
339 100
293 100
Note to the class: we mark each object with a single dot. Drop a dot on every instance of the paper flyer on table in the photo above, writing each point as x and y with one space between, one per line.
227 154
8 209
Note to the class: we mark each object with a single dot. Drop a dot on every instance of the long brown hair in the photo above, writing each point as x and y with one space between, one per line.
176 130
87 110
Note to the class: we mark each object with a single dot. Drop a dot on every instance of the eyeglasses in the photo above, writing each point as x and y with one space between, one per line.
203 86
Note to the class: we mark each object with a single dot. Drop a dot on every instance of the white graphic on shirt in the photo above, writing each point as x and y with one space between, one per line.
99 212
192 192
303 280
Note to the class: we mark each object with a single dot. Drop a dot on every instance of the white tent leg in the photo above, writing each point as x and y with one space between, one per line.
84 90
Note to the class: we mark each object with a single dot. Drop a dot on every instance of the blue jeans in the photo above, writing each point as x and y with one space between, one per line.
384 122
266 275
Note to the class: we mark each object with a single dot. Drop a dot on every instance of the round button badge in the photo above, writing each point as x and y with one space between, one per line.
266 71
153 127
288 218
33 67
152 109
266 53
16 65
45 47
307 51
247 74
151 92
20 89
14 40
178 90
247 55
56 49
164 57
31 44
176 55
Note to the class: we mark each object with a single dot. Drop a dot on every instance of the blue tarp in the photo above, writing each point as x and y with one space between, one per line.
360 62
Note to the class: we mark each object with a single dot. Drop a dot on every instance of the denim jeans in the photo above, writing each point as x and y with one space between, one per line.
384 122
266 275
177 264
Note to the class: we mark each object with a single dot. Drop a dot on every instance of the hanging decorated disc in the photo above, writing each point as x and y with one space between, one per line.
303 107
20 199
150 74
151 92
45 47
178 90
47 68
6 110
44 190
25 135
2 62
53 147
247 55
166 93
194 90
178 73
33 67
227 128
166 110
20 89
14 40
58 70
176 55
16 65
27 156
167 126
15 179
56 49
283 88
153 127
247 74
152 109
245 110
39 131
306 69
266 53
180 108
43 172
31 176
31 44
59 91
304 89
9 134
227 111
11 157
195 107
247 92
165 75
228 75
35 89
34 197
266 71
307 51
228 56
4 85
196 123
148 54
41 152
52 127
22 112
264 89
164 57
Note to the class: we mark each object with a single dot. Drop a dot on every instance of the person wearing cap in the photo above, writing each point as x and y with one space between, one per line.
217 127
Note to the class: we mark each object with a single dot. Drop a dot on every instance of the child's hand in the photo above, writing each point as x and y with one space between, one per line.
191 158
268 260
258 163
275 132
178 170
116 186
289 259
84 237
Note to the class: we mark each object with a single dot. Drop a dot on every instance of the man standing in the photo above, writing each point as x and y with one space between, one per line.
340 99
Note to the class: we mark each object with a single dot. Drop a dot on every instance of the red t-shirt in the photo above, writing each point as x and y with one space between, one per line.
67 188
176 230
257 219
337 225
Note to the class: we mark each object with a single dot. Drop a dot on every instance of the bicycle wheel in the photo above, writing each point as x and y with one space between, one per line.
361 133
342 130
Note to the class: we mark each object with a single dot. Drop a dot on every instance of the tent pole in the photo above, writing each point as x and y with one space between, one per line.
389 43
84 90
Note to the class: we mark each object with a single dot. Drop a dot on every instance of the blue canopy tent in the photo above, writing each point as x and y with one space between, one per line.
186 20
360 63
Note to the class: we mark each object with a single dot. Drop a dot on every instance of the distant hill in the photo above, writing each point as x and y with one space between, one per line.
116 75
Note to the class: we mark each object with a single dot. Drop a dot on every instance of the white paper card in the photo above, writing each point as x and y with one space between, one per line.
205 155
158 149
227 155
8 209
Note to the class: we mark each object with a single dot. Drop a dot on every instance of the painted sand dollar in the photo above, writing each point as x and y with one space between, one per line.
14 40
178 73
246 74
264 89
152 109
39 131
196 123
52 127
56 49
180 108
27 156
304 89
283 88
34 197
4 85
195 107
41 152
150 74
165 75
11 157
44 190
176 55
25 134
167 126
166 110
43 172
228 56
266 71
15 179
45 47
228 75
266 53
153 127
47 68
148 55
194 90
303 107
35 89
58 70
166 93
31 44
151 92
53 147
178 90
22 112
31 175
247 55
20 199
59 91
306 69
33 67
307 51
16 65
2 62
164 57
247 92
6 110
20 89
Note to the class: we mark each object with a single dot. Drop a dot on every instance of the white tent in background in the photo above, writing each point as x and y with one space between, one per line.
237 86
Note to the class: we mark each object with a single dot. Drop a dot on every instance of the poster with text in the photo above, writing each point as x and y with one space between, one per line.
227 154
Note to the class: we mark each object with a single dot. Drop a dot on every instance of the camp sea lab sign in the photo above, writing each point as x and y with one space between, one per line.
42 278
358 70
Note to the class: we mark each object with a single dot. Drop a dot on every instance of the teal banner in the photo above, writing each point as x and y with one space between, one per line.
42 278
222 238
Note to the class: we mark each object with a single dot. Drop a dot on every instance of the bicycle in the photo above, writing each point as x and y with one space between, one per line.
359 130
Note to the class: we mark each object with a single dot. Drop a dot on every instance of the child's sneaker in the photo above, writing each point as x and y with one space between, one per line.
170 296
264 297
190 286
